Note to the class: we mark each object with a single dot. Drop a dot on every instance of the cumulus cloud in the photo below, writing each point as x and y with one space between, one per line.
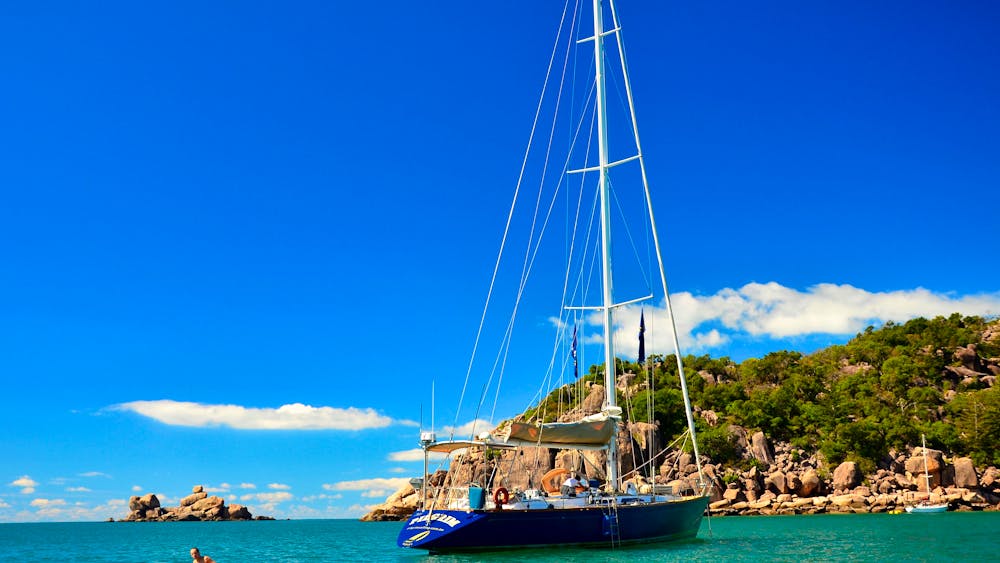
416 454
477 426
775 311
26 483
247 486
136 488
321 496
278 486
359 509
268 498
44 502
376 484
59 510
295 416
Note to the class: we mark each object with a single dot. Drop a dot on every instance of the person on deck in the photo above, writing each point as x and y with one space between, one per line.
569 486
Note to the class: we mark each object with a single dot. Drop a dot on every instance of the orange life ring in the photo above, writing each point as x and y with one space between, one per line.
552 480
501 496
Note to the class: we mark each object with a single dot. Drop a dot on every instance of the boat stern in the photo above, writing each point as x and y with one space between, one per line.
427 528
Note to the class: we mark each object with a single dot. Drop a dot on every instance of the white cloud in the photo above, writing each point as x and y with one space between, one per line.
416 454
26 483
77 489
3 504
167 500
775 311
356 510
278 486
247 486
477 426
268 498
44 502
222 488
95 474
397 469
136 488
376 484
295 416
61 511
321 496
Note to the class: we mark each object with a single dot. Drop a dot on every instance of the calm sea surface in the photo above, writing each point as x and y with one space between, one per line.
859 537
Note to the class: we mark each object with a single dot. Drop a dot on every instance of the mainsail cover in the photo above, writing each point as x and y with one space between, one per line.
590 433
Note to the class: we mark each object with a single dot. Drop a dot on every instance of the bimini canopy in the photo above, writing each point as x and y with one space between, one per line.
591 433
450 446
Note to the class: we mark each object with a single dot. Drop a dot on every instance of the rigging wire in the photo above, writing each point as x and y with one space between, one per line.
656 244
529 257
510 215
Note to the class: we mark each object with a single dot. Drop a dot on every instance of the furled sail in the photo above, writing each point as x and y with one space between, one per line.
590 433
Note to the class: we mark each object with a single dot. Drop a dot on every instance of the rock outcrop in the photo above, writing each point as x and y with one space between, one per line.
800 484
401 504
197 506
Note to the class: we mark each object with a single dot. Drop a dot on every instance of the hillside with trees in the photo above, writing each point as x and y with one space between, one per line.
876 393
788 433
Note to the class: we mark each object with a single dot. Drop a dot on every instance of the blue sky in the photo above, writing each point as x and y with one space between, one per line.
214 213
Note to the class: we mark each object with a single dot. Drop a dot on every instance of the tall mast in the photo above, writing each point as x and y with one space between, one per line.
602 134
927 474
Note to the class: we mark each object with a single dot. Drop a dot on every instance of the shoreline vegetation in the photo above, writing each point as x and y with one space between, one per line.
828 432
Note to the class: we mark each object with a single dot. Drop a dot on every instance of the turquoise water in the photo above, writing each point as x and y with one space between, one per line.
857 537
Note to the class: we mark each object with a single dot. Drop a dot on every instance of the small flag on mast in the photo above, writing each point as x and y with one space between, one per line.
576 372
642 336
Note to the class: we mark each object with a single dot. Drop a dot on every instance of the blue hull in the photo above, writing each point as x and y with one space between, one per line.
443 531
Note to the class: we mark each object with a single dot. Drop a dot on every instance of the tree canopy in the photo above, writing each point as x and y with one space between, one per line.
881 390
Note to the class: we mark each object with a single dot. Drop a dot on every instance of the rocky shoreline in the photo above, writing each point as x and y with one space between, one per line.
766 478
783 481
196 507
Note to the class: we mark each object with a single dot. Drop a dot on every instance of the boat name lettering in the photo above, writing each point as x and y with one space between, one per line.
438 517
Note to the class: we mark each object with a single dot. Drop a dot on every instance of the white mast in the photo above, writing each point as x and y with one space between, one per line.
659 255
927 474
602 134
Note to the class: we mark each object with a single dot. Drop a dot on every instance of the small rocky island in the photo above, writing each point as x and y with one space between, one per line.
196 507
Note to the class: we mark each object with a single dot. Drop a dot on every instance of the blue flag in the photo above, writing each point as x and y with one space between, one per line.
576 372
642 337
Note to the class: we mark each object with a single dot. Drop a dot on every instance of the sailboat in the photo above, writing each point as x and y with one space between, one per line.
925 506
479 515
